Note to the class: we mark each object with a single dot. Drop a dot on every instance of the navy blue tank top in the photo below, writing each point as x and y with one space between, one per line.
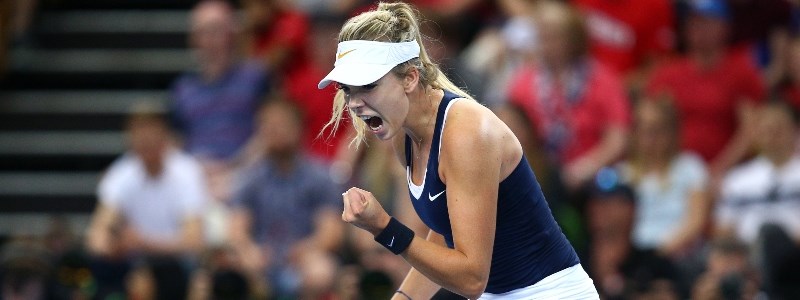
528 244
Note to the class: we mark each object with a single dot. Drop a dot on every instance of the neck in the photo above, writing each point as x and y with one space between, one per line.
422 115
779 157
284 162
707 58
214 69
153 169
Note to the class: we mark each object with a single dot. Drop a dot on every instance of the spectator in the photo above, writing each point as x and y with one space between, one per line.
278 35
714 89
150 203
759 200
670 184
630 36
497 52
287 212
213 107
789 88
763 26
728 274
578 106
281 38
24 270
620 270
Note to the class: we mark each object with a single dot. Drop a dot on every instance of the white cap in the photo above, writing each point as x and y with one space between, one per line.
361 62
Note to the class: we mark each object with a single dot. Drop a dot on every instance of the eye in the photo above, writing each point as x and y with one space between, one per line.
343 88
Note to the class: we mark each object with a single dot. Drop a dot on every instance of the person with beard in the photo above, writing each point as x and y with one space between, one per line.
286 212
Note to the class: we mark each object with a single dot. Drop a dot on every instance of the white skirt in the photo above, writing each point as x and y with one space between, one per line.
570 283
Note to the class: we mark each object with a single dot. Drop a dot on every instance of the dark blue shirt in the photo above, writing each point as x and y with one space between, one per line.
528 244
217 118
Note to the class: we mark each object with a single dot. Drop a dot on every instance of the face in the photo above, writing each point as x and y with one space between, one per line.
280 129
554 45
776 131
148 139
259 12
383 105
211 31
610 223
653 134
705 33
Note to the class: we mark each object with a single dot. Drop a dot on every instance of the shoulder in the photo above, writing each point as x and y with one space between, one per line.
689 161
249 68
469 120
125 165
183 161
742 178
473 131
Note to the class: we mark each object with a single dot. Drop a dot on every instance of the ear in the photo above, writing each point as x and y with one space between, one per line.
411 80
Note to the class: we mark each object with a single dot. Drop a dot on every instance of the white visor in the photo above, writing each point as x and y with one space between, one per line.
361 62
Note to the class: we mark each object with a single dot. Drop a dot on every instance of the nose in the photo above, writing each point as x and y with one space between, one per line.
354 101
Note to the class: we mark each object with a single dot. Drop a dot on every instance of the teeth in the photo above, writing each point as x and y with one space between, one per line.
365 118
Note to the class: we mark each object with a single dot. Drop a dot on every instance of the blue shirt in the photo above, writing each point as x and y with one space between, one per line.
528 244
217 118
282 205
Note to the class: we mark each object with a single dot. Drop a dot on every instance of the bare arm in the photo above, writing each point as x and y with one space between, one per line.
416 285
252 257
98 236
610 148
737 146
190 240
472 204
693 224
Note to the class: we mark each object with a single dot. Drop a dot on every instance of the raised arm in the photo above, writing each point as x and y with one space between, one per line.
470 165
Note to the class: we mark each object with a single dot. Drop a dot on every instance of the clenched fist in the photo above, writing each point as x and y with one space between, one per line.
364 211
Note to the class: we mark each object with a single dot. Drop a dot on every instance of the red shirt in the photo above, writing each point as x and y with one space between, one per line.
570 126
707 100
623 33
288 29
317 106
791 94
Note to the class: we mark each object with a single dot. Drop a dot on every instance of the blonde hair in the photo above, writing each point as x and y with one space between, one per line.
390 22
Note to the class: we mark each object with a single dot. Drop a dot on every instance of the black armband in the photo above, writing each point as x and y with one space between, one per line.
396 237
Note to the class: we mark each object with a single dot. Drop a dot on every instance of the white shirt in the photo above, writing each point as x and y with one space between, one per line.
663 202
155 206
757 193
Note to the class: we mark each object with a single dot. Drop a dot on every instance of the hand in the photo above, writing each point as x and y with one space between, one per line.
577 173
364 211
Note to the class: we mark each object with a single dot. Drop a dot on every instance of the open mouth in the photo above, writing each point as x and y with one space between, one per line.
374 123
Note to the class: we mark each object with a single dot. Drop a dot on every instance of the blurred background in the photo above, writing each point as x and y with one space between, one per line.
175 149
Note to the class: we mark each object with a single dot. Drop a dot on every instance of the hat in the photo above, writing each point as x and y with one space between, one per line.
360 62
710 8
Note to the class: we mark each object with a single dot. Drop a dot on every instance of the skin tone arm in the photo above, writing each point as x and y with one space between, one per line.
252 257
101 240
610 148
472 202
692 227
416 285
98 236
737 147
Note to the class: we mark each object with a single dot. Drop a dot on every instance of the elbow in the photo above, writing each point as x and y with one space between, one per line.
473 287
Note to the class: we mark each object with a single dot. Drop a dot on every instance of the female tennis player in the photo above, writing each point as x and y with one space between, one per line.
492 234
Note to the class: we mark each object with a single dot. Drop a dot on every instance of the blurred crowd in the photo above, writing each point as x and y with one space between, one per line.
664 133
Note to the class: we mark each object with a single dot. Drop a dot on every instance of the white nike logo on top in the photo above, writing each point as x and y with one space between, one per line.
391 242
435 196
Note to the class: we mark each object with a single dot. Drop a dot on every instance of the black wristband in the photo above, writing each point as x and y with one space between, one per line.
396 237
